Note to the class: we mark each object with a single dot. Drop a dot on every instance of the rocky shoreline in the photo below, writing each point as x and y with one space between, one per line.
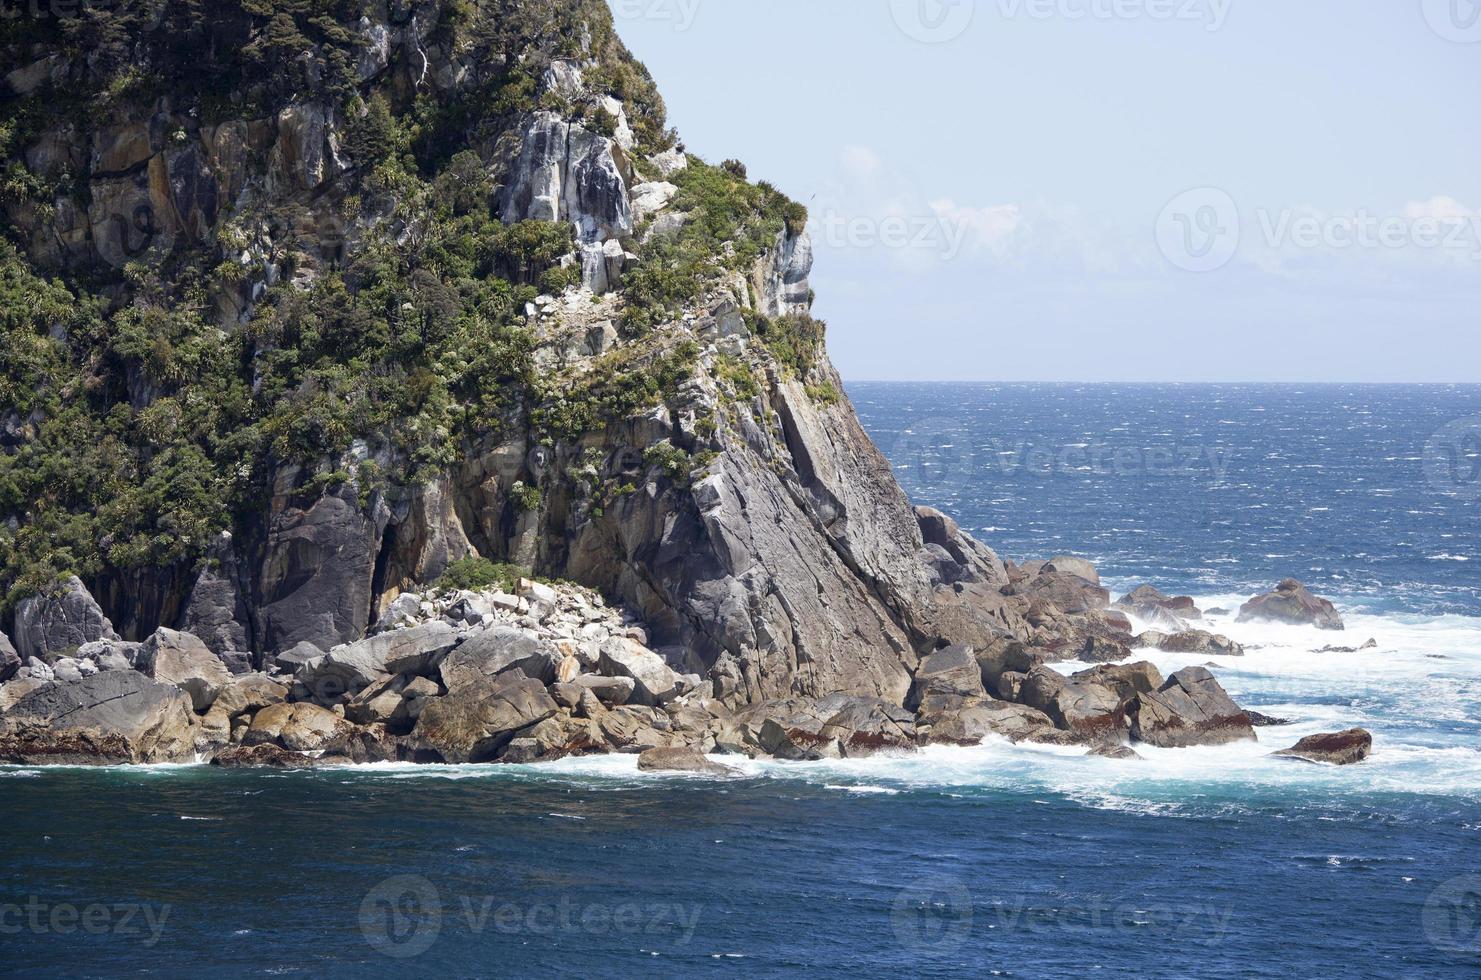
549 671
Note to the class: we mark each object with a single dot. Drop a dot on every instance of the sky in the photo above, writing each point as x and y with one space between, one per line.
1107 190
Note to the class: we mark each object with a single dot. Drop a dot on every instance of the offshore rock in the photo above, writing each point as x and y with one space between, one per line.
1190 708
1334 748
1293 603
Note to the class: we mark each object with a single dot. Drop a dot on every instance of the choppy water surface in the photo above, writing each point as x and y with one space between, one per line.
998 860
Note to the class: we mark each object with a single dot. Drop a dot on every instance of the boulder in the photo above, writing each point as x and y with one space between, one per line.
111 717
1083 706
972 721
290 661
614 691
1335 748
381 704
1190 708
654 682
10 659
557 737
1078 567
682 760
301 727
838 726
349 669
245 694
1103 650
475 722
59 622
1190 641
1266 721
1292 603
953 670
265 756
19 686
1158 610
498 649
1114 752
1062 589
1127 680
183 660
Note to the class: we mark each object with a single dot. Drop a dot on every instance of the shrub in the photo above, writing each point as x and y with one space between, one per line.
479 574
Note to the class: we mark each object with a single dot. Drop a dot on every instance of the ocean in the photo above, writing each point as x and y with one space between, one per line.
998 860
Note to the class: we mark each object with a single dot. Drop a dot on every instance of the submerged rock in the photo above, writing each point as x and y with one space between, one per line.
1335 748
1292 603
682 760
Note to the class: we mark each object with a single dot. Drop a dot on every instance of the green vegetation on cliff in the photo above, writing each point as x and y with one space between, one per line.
367 330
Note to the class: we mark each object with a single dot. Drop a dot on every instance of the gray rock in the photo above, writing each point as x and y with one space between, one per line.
1190 641
614 691
953 670
654 681
316 576
49 624
972 720
299 727
108 718
682 760
216 608
1120 752
349 669
10 659
1334 748
1082 705
290 661
476 722
1292 603
496 650
184 661
1190 708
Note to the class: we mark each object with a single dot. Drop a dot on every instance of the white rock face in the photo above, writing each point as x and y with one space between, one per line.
670 162
652 197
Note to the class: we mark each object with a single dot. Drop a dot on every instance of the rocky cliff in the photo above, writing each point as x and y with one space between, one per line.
312 307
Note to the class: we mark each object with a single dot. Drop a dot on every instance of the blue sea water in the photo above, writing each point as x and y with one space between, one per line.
999 860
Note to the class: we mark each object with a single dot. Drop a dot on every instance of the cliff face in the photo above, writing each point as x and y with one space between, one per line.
306 307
